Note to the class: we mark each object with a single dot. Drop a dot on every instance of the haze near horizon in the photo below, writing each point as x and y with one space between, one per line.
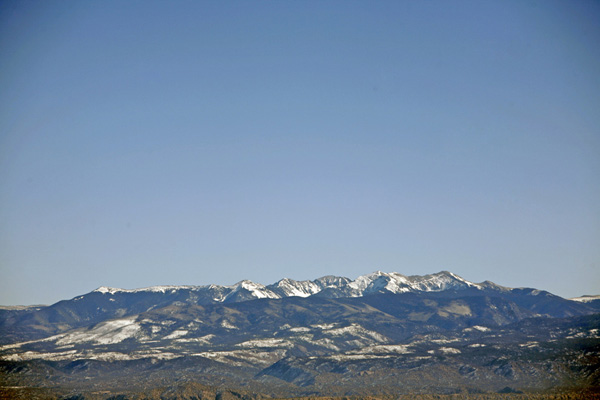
192 143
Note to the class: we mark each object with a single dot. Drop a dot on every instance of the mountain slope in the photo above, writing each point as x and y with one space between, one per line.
105 303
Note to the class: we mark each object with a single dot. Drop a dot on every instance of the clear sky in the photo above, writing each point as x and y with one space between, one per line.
190 142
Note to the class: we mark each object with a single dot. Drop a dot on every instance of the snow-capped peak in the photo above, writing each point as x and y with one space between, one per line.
256 290
380 281
289 287
106 289
160 288
394 282
440 281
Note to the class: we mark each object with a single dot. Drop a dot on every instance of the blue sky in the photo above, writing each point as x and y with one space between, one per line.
146 143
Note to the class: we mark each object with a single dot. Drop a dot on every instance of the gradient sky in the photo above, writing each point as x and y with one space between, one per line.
146 143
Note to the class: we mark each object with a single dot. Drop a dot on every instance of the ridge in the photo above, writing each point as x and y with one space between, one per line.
326 286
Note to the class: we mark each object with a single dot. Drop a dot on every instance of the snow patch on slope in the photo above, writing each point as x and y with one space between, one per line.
109 332
585 299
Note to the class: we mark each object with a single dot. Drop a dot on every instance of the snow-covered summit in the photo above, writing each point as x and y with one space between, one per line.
397 283
441 281
250 290
160 289
289 287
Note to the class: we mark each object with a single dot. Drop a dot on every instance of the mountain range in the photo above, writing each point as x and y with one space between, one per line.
379 334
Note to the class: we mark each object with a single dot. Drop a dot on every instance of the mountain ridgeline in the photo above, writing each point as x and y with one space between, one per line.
380 334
